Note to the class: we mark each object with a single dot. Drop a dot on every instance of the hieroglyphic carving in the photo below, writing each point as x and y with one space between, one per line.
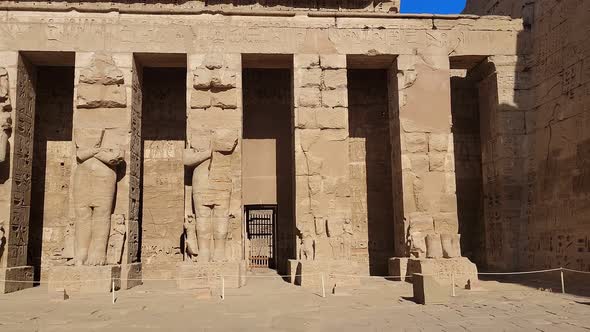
18 230
134 167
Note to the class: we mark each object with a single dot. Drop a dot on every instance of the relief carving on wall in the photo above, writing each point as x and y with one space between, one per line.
5 114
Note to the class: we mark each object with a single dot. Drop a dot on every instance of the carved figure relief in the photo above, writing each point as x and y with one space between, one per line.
340 237
191 249
5 119
95 181
211 194
116 242
101 84
5 129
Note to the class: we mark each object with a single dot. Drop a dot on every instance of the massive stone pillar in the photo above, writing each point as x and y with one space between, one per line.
424 186
504 99
323 214
213 199
104 205
17 82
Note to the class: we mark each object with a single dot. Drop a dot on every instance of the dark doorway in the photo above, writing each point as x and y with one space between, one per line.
370 163
163 136
260 231
268 115
53 163
470 79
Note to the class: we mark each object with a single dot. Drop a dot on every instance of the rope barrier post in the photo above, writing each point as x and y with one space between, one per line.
113 291
323 286
222 287
562 283
453 283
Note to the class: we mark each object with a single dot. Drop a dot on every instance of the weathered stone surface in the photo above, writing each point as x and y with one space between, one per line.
428 291
398 268
336 273
15 278
209 275
337 152
100 84
85 279
444 270
94 188
101 96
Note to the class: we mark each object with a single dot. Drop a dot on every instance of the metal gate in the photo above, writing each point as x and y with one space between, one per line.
260 229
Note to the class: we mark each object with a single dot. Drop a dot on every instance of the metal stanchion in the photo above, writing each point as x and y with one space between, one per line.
562 282
323 286
222 287
453 283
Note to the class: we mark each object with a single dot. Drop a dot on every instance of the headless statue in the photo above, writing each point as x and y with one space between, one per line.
95 182
211 195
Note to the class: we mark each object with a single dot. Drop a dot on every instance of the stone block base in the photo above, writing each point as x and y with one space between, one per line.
337 273
15 278
428 291
85 279
398 268
131 275
208 275
442 269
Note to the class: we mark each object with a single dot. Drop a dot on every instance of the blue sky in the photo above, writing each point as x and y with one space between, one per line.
432 6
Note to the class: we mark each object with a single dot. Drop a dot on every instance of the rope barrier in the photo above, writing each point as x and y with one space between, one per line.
517 273
294 275
576 271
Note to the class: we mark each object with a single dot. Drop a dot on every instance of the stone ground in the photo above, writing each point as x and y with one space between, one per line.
268 303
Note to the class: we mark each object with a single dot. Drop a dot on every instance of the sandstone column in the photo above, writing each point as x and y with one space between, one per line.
212 158
17 82
106 123
504 97
323 214
424 186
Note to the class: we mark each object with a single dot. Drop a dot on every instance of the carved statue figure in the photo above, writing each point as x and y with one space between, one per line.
211 193
191 248
340 236
116 242
95 181
307 247
5 128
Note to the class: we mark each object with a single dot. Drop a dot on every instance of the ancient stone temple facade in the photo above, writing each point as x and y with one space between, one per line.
189 140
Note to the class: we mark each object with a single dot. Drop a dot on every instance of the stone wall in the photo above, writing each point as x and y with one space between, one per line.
213 44
200 6
370 169
558 231
53 162
468 166
163 136
551 230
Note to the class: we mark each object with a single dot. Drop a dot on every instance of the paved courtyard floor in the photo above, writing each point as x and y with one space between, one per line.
268 303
